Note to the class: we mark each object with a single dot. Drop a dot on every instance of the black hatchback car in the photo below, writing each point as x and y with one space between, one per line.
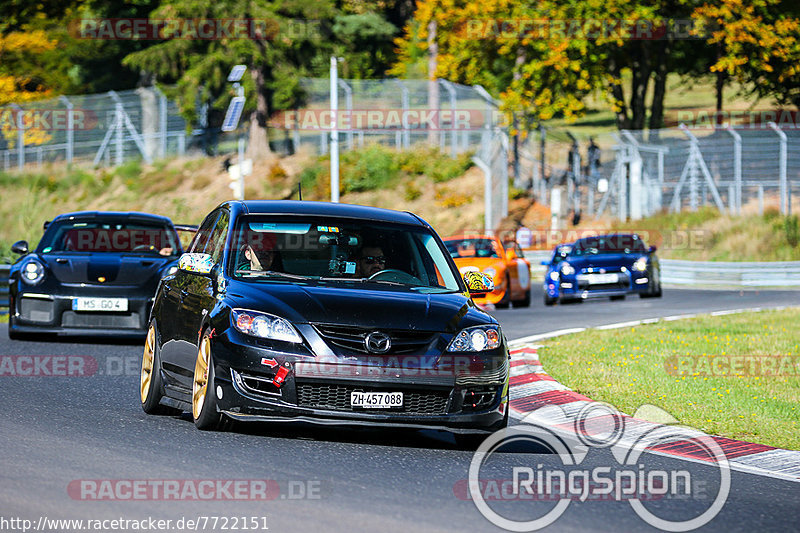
92 273
324 313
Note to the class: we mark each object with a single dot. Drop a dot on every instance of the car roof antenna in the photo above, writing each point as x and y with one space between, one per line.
300 191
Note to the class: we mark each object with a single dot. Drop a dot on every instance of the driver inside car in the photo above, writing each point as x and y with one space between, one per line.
259 253
370 261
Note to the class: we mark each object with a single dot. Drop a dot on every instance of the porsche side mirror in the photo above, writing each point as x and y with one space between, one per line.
478 283
20 247
196 263
652 249
510 255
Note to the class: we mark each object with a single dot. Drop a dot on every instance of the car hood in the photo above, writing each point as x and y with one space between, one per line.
115 269
387 309
603 261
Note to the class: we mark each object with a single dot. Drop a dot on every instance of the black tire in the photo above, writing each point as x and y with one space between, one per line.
549 301
151 402
526 301
208 418
617 297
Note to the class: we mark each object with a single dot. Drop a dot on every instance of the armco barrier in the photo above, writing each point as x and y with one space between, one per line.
4 288
731 274
709 273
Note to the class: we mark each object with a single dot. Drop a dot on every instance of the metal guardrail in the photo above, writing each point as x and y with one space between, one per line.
731 274
4 288
708 273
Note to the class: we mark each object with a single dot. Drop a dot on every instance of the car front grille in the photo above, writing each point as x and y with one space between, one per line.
337 397
71 319
350 339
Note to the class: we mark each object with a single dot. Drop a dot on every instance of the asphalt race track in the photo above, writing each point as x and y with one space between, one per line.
59 431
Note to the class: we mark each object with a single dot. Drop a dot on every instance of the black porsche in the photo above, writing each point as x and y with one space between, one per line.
323 313
92 273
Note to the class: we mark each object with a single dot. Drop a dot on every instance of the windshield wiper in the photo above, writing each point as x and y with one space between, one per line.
270 273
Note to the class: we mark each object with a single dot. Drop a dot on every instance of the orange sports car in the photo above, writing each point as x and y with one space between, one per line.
506 265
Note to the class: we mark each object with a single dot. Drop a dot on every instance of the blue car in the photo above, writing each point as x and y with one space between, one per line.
613 265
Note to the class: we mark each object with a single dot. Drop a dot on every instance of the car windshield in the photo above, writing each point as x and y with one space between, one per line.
108 236
345 252
471 248
609 244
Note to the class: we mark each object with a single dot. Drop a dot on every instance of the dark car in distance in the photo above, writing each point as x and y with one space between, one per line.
92 274
612 265
285 311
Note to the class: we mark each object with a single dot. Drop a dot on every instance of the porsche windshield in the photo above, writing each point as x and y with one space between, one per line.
339 251
108 236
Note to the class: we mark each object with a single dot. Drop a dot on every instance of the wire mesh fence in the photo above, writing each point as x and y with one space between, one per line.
108 129
643 172
626 174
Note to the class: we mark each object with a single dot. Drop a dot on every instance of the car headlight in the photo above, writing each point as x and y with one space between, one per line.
475 339
32 272
264 325
567 269
640 264
554 275
489 271
173 269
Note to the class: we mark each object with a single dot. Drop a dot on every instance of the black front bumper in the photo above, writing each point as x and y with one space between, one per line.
320 394
37 311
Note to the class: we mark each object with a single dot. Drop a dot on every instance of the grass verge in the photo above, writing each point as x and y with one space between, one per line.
736 376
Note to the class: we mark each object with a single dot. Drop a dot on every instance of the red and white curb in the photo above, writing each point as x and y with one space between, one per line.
532 390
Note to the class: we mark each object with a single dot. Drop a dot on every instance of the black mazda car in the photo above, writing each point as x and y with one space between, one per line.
92 273
313 312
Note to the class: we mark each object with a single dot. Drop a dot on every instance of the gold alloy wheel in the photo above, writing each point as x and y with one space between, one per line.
147 363
200 385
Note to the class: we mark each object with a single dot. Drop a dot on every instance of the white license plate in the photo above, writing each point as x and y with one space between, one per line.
601 278
376 400
100 304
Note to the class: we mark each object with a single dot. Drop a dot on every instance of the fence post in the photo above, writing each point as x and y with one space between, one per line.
20 137
70 149
452 92
760 198
785 209
405 105
348 103
487 193
162 123
737 171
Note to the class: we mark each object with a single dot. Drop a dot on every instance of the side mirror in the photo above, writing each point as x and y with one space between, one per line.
20 247
478 283
510 254
545 263
196 263
652 249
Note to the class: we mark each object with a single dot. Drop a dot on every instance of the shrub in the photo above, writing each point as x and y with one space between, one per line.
369 169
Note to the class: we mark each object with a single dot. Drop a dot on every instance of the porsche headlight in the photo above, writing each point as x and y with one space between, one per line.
567 269
475 339
32 272
264 325
640 264
489 271
554 275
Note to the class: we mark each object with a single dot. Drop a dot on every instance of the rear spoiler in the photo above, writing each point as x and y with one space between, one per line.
185 227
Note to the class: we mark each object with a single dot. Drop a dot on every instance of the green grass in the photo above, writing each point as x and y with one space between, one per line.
632 367
708 235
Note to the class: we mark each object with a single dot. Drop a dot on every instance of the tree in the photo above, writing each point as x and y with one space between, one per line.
759 43
276 50
545 58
